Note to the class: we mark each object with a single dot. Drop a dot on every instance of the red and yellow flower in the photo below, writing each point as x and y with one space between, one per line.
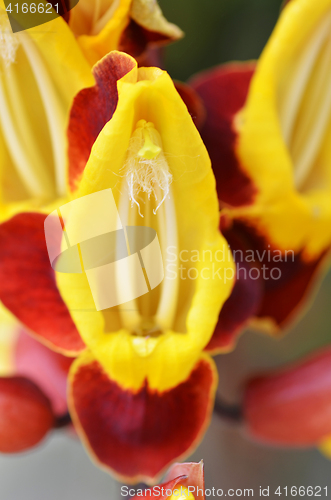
141 390
268 133
141 386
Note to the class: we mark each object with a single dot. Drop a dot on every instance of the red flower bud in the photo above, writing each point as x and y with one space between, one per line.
292 406
25 414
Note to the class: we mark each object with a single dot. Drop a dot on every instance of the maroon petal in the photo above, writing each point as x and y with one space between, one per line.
223 91
138 434
27 283
288 279
135 39
244 301
193 102
284 298
92 109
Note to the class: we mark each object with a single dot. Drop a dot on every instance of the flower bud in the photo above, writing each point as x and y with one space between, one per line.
293 406
25 414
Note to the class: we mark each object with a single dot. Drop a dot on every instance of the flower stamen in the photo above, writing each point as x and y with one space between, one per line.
147 170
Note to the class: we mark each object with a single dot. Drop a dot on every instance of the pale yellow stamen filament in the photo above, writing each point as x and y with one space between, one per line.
166 192
15 121
166 310
315 119
54 112
128 311
96 12
291 98
305 103
35 184
100 21
130 183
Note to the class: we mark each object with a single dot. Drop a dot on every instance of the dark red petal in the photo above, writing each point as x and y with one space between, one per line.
27 283
223 91
293 406
287 284
92 109
135 39
138 434
25 414
46 368
284 298
193 102
194 473
244 301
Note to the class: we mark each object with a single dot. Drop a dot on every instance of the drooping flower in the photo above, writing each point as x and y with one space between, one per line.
267 131
41 70
141 389
128 25
291 407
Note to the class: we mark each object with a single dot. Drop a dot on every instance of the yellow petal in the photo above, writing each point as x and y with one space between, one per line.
188 308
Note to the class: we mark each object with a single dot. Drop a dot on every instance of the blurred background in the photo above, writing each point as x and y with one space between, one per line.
216 31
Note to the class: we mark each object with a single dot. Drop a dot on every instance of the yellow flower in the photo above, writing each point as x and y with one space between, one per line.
151 129
41 70
152 158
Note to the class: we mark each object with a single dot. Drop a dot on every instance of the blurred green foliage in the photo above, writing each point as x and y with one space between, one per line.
217 31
